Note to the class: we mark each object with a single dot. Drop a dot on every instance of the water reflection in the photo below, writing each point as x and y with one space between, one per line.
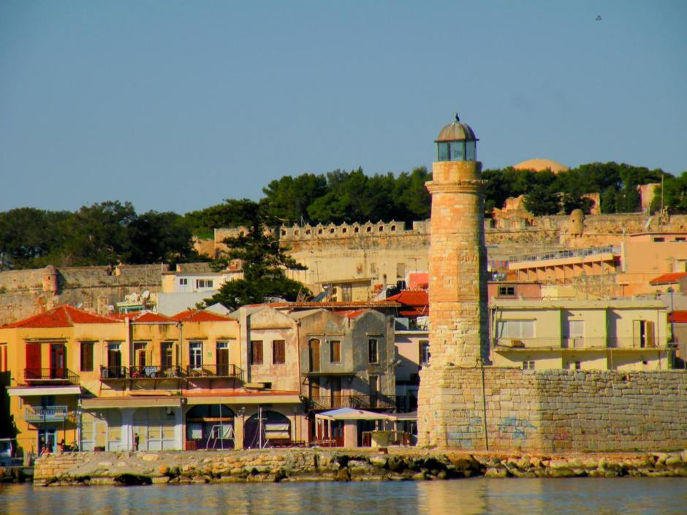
531 496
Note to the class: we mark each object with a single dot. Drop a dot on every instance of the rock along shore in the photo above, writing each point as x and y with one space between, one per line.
185 467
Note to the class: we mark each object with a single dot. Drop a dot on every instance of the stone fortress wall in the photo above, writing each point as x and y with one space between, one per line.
559 410
26 292
384 252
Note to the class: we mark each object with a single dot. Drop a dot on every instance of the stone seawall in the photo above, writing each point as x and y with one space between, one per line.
554 410
187 467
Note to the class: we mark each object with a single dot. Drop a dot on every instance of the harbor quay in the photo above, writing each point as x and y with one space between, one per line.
318 464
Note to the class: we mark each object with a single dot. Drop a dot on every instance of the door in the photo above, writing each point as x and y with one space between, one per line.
374 391
114 360
314 392
576 333
314 354
33 361
166 355
335 391
222 359
58 361
47 439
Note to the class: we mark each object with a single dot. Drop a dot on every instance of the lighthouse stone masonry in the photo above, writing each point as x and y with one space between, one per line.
457 275
466 403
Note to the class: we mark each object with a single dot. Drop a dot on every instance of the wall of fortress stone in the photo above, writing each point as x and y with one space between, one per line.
26 292
561 410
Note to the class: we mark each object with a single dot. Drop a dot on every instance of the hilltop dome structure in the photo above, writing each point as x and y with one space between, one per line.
540 165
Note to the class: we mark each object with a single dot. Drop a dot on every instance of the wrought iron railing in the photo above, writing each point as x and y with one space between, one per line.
50 375
211 370
378 401
154 372
578 343
46 414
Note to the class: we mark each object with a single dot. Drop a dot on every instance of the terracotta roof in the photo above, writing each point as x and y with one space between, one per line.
195 315
415 298
63 316
671 278
678 317
149 316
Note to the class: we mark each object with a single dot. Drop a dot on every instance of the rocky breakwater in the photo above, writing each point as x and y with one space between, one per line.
141 468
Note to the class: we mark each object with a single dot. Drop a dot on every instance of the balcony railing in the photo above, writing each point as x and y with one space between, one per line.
156 372
36 414
378 401
214 371
578 343
50 375
153 372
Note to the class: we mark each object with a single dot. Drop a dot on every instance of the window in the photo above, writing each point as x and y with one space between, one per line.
644 333
659 239
183 281
278 352
373 354
140 354
515 329
166 355
195 355
3 358
256 352
334 351
578 365
86 357
506 291
346 292
424 352
204 283
528 365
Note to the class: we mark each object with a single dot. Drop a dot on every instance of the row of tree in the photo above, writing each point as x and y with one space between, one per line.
110 232
99 234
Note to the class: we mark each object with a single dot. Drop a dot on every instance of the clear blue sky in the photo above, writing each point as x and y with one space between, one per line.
177 105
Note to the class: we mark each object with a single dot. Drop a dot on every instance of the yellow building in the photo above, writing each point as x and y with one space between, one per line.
141 382
621 334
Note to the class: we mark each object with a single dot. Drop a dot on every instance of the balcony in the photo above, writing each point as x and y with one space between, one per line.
212 371
139 373
154 372
577 344
46 376
375 401
40 414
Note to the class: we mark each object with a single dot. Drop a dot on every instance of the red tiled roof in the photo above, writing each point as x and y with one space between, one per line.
671 278
415 298
678 317
63 316
195 315
149 316
415 312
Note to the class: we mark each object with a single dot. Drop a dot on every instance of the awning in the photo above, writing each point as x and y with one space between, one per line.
245 399
35 391
353 414
147 401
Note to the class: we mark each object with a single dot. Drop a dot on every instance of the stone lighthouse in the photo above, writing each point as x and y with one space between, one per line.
457 280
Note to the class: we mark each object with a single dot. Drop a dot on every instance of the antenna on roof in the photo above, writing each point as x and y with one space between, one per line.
457 117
